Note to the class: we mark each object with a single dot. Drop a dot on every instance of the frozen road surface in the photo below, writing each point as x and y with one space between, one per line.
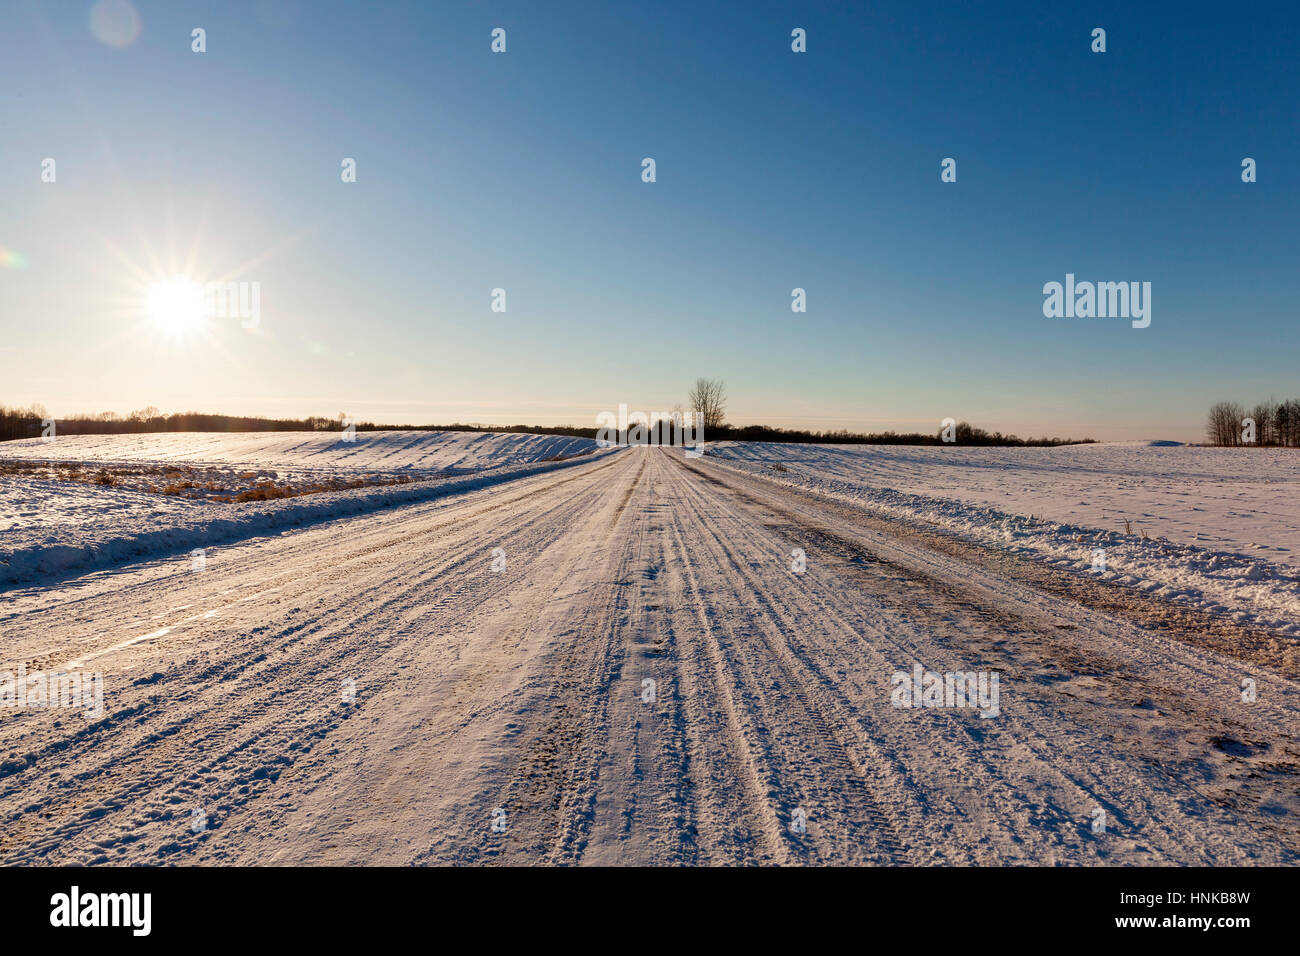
639 659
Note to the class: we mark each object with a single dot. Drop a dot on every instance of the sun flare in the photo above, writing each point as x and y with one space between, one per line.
176 305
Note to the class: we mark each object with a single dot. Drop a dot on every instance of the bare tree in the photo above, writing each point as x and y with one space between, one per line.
1265 415
1224 424
1289 422
708 399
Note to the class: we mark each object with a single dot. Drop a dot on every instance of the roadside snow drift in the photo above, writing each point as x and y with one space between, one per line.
51 528
1217 528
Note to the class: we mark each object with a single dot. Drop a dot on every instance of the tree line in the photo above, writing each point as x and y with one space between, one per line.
29 422
1270 422
964 434
708 396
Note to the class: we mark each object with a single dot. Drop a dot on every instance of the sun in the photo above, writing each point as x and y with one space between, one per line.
176 305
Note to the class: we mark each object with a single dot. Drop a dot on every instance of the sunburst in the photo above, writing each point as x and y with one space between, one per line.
176 306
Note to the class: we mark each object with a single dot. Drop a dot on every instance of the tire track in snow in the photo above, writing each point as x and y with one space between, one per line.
1125 788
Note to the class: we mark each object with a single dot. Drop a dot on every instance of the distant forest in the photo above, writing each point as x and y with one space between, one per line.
16 423
1270 423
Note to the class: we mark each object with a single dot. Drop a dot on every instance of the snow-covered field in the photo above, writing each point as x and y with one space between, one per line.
370 451
53 527
1217 528
632 657
1245 501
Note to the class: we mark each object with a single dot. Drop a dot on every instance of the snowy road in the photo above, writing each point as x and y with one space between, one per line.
516 699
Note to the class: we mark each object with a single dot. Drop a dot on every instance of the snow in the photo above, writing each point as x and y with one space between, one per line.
371 451
374 689
1222 525
54 528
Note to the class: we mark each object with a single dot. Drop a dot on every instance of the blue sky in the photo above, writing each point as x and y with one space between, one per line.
775 170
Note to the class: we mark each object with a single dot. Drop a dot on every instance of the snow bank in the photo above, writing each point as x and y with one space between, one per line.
98 527
987 494
1243 501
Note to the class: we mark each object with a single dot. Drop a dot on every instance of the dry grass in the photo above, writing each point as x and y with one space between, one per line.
202 483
